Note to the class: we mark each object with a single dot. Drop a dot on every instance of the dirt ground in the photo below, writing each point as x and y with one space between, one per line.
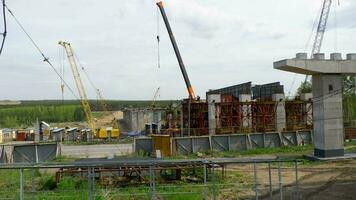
322 180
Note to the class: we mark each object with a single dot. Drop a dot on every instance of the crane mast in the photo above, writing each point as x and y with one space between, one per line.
155 97
177 52
323 21
321 27
79 84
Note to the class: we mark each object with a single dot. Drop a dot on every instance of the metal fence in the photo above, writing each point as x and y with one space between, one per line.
28 153
198 179
231 142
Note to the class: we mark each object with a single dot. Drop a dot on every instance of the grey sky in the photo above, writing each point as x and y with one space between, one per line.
222 42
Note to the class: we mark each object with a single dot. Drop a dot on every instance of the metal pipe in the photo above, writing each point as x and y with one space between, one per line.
280 181
255 179
296 180
213 179
270 181
33 188
21 184
205 184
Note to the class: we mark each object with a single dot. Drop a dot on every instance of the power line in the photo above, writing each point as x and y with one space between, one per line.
45 59
5 26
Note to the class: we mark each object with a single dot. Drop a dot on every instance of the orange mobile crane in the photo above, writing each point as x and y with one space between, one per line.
176 50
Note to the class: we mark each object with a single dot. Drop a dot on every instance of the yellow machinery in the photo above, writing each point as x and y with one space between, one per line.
102 132
80 86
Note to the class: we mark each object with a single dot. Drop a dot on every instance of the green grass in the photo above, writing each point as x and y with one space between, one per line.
71 187
113 141
290 151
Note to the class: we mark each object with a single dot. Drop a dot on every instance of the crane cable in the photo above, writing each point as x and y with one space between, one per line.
45 59
5 26
158 41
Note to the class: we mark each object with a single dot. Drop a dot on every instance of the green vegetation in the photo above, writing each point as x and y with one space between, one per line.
290 151
27 115
54 111
305 87
349 105
76 187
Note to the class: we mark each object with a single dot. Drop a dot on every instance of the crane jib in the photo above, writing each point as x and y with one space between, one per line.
176 51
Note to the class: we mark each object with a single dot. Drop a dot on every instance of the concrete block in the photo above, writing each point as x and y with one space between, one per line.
319 56
351 56
302 56
335 56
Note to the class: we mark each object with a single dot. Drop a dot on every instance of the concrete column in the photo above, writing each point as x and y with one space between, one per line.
212 99
280 112
140 120
309 115
246 111
327 115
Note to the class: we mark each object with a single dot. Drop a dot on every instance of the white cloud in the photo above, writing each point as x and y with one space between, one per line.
222 42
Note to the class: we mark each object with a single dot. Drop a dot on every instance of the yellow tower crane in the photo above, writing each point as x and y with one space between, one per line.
80 86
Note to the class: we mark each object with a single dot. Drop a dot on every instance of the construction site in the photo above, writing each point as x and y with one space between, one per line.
106 126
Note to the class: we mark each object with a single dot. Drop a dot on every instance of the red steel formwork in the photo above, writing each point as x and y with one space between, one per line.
245 117
299 115
199 124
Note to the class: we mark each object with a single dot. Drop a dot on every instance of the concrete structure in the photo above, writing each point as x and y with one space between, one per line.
327 97
246 110
308 97
280 111
212 99
136 119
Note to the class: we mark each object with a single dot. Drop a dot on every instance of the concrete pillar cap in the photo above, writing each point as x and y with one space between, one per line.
335 56
301 56
319 56
351 56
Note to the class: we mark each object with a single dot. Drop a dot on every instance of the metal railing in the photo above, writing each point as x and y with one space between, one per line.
217 178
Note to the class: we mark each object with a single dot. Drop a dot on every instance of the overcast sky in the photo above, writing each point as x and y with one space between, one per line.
223 42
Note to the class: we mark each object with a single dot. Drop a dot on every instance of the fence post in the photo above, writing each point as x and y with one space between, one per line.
152 183
280 180
93 181
255 179
213 179
270 180
89 184
21 185
33 184
296 179
205 184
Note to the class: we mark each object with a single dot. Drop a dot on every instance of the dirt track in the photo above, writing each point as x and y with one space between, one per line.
325 180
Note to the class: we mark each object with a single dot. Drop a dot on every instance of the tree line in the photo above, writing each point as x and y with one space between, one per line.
27 115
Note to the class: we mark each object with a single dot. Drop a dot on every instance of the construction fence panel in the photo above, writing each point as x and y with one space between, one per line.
305 137
238 142
220 143
257 140
2 155
234 142
32 153
289 138
183 146
272 140
144 145
24 154
200 144
46 152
